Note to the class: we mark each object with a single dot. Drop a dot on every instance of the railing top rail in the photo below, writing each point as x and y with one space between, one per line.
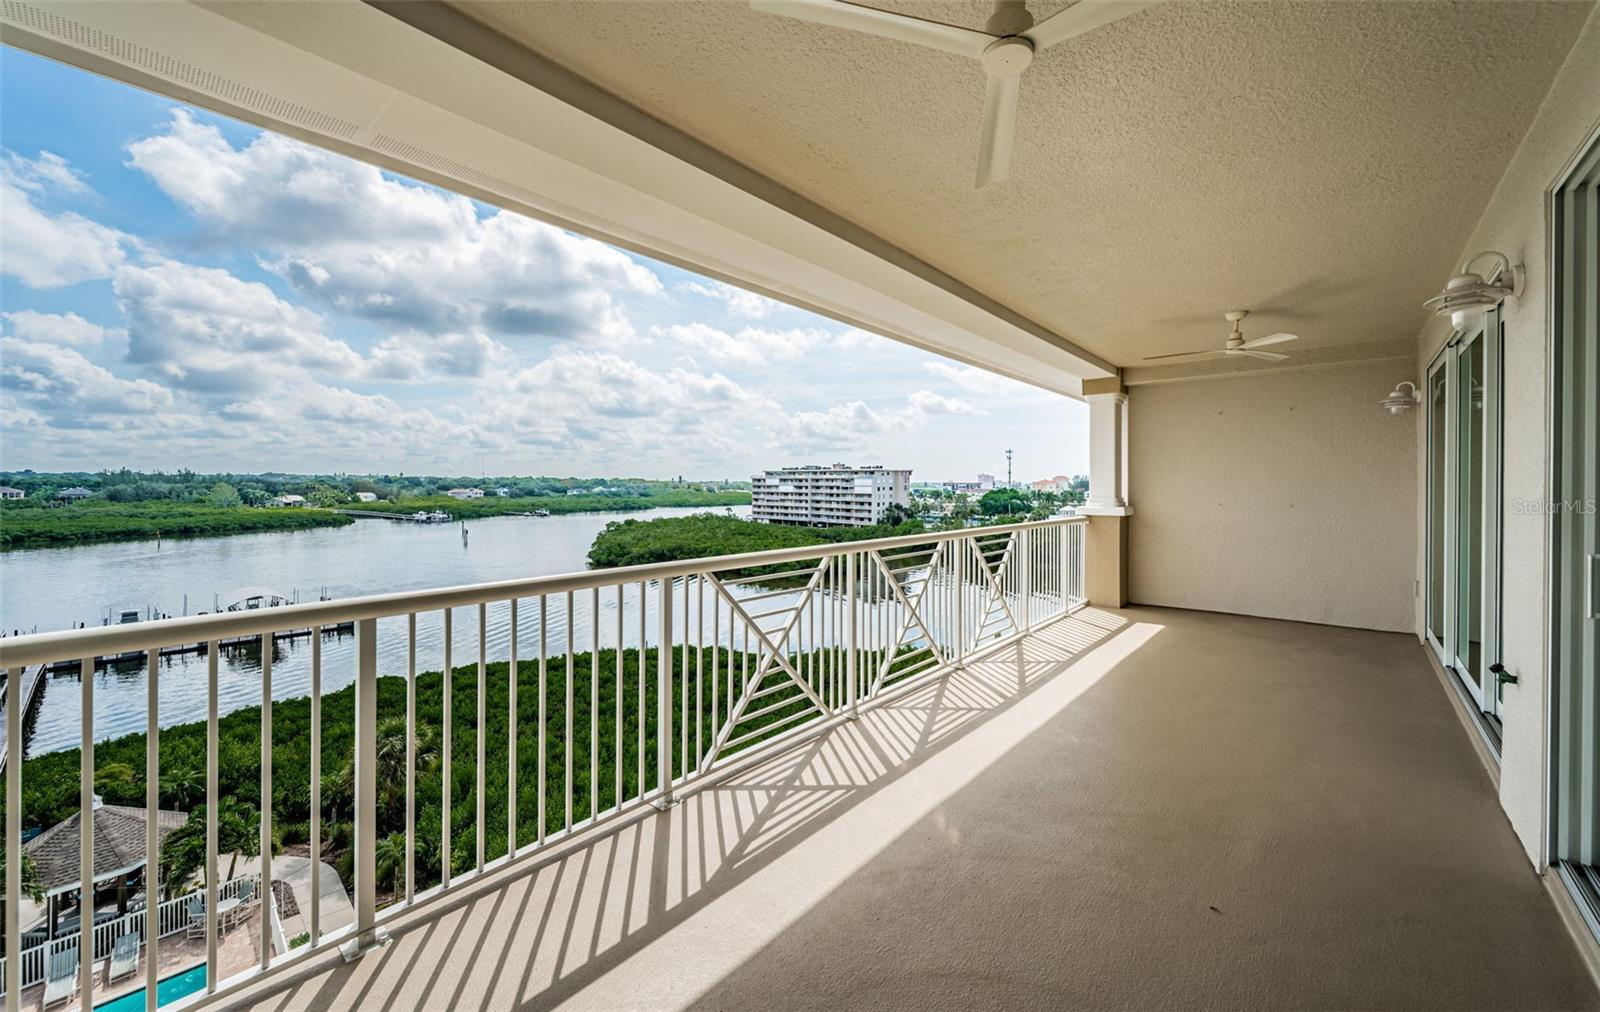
40 648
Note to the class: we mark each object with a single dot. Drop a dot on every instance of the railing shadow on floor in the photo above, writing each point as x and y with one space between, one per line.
563 922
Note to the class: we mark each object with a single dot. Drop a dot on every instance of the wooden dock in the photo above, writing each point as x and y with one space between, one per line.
32 684
232 643
411 518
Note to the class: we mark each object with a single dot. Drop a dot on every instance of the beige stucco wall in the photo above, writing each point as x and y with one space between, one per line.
1516 222
1285 495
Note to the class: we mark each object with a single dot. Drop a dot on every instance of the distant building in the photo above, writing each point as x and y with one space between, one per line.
837 496
465 493
986 481
577 491
503 492
366 497
74 493
1060 483
289 500
7 492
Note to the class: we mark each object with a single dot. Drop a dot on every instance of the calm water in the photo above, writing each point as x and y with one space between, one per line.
56 588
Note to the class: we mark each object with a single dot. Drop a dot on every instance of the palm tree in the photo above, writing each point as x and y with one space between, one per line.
183 787
391 860
184 850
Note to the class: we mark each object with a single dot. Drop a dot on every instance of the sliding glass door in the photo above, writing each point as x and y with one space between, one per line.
1463 553
1575 532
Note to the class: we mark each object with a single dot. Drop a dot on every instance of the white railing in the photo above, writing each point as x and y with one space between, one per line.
645 681
172 917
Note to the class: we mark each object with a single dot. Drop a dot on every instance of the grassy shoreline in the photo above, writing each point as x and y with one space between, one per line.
671 539
557 505
56 526
31 526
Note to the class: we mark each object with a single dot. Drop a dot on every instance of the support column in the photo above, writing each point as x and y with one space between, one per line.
1109 505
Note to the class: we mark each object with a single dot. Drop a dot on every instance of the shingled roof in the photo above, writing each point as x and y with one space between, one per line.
118 844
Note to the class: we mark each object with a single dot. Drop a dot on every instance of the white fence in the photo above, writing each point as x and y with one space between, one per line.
689 668
172 916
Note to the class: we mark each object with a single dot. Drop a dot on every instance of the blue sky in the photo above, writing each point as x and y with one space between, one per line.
180 290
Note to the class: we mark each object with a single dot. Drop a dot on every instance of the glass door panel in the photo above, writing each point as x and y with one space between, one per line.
1472 466
1438 416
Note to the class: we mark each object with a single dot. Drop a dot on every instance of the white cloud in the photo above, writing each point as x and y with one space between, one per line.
62 386
411 355
738 301
56 328
45 250
926 402
615 413
855 425
203 329
750 346
978 381
47 172
359 242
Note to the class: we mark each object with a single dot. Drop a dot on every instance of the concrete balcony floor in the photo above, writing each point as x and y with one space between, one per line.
1141 809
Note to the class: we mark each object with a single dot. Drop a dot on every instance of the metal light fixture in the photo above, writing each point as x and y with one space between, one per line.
1400 400
1469 295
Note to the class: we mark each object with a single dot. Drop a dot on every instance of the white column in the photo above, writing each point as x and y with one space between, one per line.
1108 451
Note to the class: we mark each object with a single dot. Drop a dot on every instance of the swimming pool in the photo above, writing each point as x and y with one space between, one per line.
179 985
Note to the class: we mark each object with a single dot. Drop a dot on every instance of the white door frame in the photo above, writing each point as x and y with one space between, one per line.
1451 649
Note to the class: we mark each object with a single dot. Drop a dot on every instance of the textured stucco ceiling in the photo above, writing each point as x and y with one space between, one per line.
1319 163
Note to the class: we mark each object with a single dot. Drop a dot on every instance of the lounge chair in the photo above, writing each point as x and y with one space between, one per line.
124 956
61 983
197 917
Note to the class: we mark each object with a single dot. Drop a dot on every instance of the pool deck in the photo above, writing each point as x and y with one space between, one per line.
237 950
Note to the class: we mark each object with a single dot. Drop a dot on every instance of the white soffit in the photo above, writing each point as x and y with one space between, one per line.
349 77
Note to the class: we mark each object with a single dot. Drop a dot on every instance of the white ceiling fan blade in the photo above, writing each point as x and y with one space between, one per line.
839 14
1083 16
1269 356
999 128
1262 342
1184 354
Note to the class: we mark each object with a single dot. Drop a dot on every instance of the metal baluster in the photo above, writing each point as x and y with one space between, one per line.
716 661
86 954
512 675
850 687
411 757
14 704
664 693
700 673
643 742
567 750
683 666
445 750
212 758
618 748
316 785
152 839
481 720
365 851
544 738
266 798
594 704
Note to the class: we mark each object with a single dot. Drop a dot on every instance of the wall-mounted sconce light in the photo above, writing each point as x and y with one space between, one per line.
1400 400
1469 295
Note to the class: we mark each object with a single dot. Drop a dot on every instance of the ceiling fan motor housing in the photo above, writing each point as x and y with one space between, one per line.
1008 56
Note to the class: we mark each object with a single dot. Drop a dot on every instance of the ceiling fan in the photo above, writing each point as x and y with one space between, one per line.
1005 50
1236 344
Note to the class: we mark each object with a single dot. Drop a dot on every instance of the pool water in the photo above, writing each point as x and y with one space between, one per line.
179 985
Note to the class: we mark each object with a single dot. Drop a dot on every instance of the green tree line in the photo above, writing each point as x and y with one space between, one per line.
26 525
710 678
